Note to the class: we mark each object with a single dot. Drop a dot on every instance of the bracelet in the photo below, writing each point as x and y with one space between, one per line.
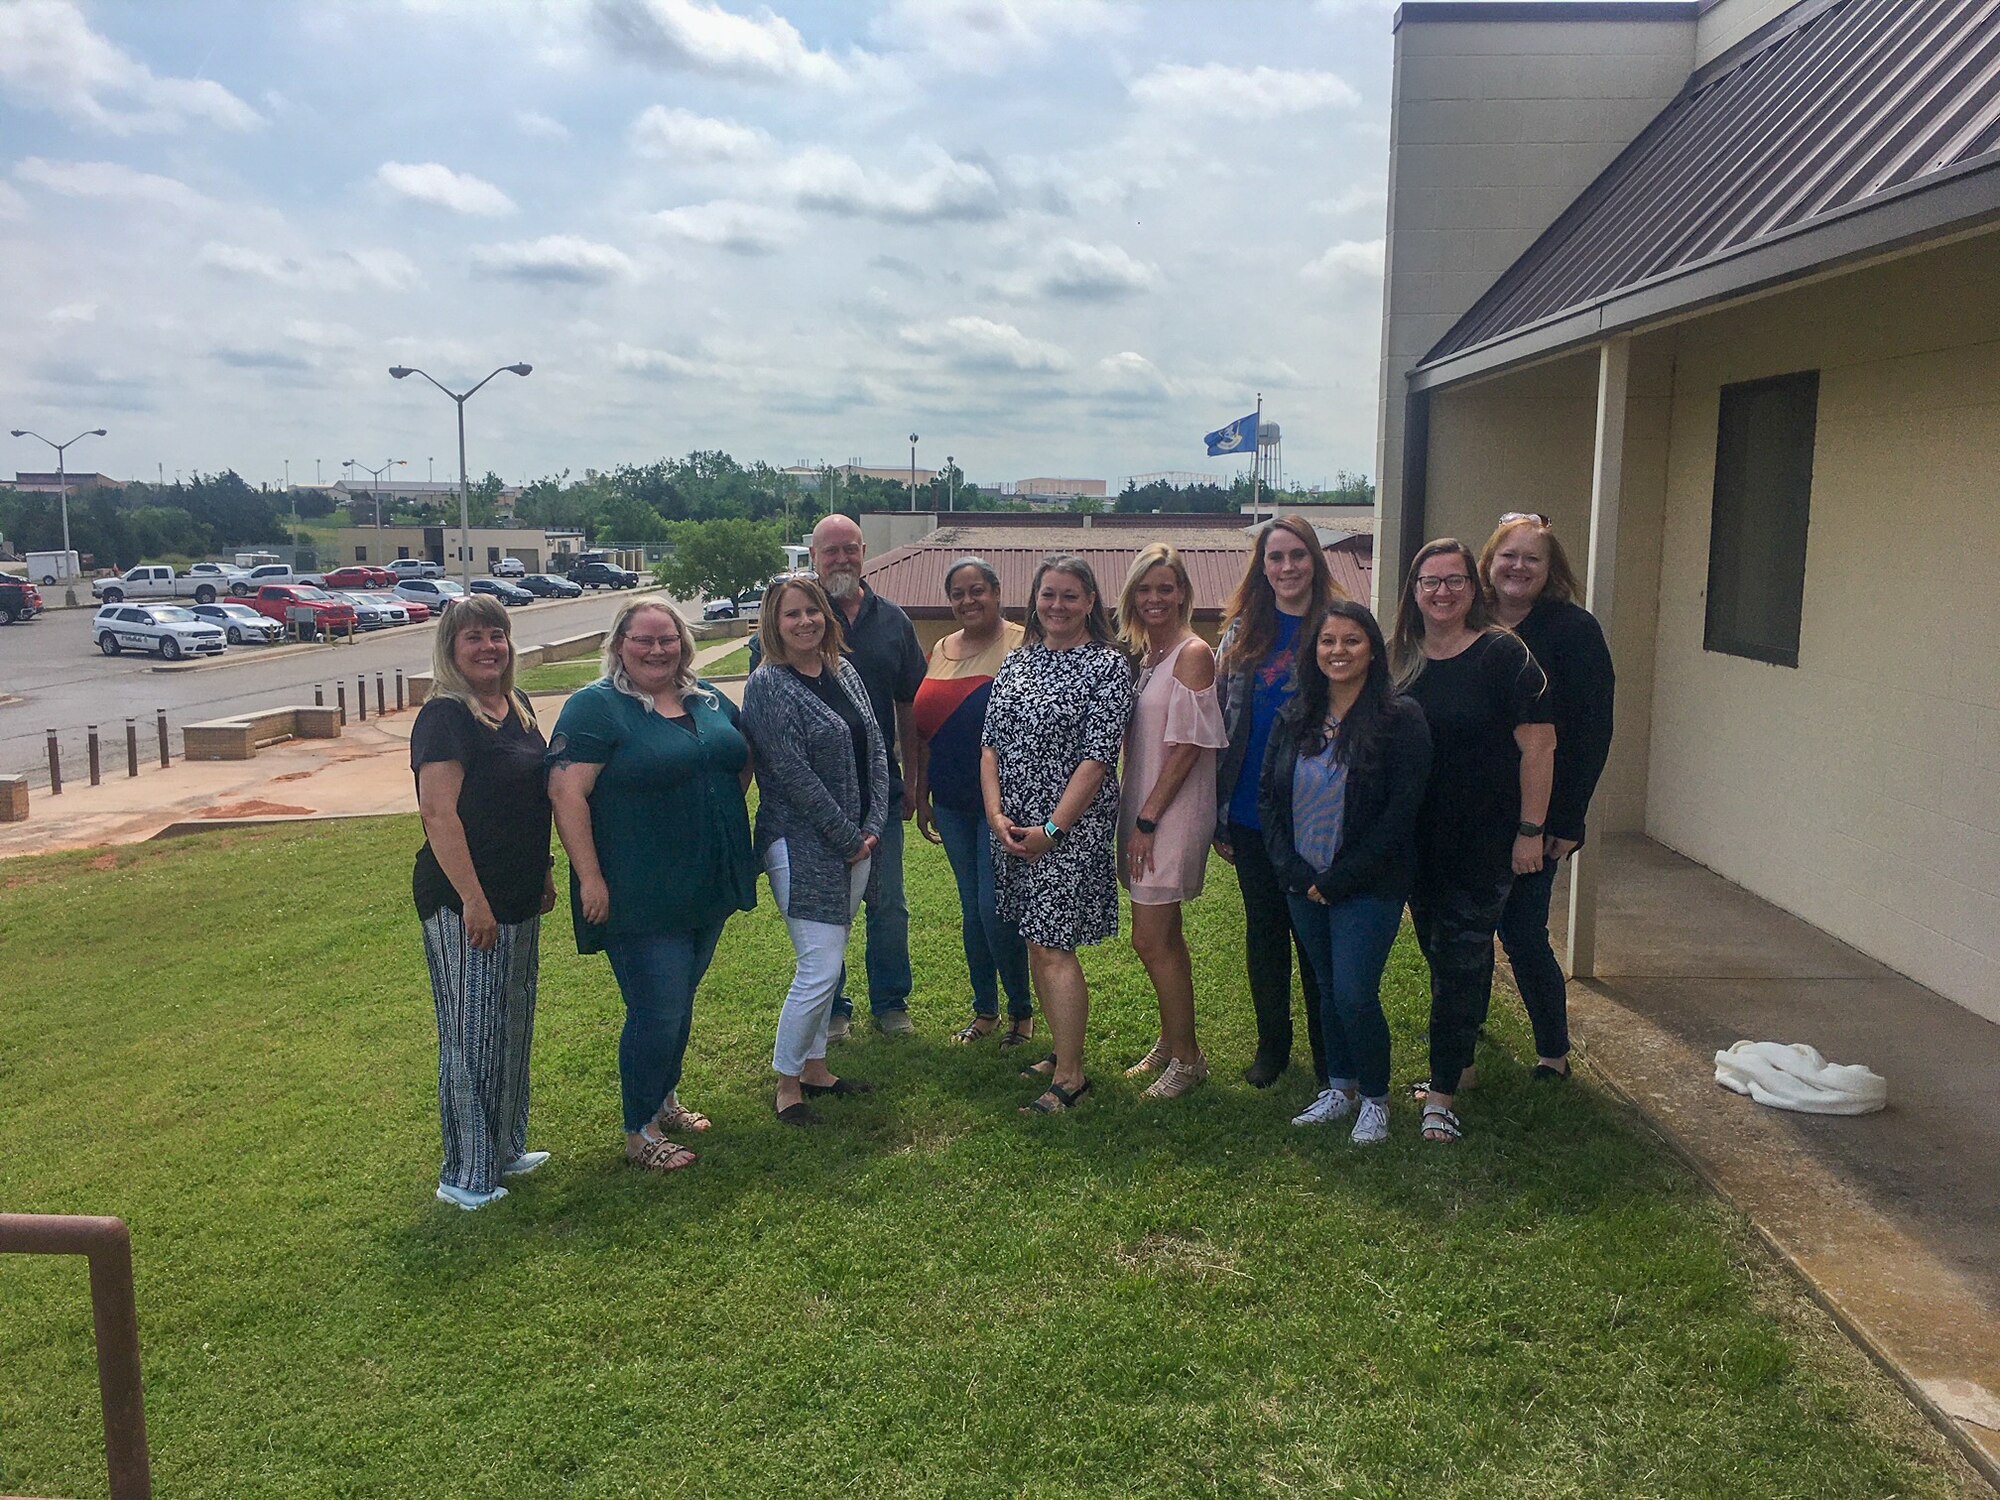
1147 826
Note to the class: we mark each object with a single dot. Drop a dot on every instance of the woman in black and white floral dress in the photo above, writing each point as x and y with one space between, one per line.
1054 727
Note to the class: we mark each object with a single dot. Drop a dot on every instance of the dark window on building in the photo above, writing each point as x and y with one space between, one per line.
493 554
361 554
1757 530
402 552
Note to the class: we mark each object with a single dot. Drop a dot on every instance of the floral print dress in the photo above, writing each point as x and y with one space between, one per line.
1050 712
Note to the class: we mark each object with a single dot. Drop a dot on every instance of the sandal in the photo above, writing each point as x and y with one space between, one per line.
658 1155
1016 1037
675 1115
1044 1069
974 1031
1441 1125
1177 1078
1152 1062
1065 1099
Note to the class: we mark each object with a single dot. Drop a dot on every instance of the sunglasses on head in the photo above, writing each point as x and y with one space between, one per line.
1524 515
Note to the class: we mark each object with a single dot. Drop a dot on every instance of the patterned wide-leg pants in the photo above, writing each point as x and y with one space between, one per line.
486 1028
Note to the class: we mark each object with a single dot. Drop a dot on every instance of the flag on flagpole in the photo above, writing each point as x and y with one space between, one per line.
1239 436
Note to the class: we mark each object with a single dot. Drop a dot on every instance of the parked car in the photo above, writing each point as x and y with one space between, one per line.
304 605
413 613
548 586
240 624
415 567
368 615
509 567
227 572
359 576
163 629
720 609
21 600
246 587
603 575
435 592
507 593
155 581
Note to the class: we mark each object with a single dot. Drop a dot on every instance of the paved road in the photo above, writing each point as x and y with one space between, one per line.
62 682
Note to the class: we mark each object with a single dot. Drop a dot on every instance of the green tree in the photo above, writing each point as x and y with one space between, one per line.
483 497
718 558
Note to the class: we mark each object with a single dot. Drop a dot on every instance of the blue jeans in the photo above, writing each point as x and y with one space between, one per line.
1348 946
993 949
657 975
1524 933
889 979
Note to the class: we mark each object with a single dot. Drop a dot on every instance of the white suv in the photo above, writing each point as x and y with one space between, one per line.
414 567
164 629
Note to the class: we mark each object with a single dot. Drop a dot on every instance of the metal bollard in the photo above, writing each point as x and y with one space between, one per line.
94 778
340 698
163 738
399 690
381 702
319 696
131 747
55 766
361 698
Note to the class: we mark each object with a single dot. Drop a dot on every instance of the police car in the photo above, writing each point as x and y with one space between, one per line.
164 629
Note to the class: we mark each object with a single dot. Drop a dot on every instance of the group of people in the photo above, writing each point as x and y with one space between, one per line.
1344 776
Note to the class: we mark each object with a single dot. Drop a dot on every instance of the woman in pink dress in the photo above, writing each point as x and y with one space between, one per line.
1166 816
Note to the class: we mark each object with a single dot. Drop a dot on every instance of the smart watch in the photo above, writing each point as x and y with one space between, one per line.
1052 833
1146 826
1529 830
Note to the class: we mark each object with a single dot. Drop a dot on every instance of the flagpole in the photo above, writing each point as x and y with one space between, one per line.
1256 464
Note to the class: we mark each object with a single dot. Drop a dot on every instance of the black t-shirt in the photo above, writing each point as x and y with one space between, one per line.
826 687
1569 644
1473 703
504 806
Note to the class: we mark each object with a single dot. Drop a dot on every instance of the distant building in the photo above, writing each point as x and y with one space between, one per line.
51 482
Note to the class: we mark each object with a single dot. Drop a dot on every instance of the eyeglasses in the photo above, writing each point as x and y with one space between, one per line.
1451 584
652 642
1524 515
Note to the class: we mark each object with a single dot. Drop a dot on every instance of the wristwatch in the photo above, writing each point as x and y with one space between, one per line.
1529 830
1146 826
1052 833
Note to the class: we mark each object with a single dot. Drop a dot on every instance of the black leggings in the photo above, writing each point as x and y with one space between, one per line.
1455 918
1524 933
1268 941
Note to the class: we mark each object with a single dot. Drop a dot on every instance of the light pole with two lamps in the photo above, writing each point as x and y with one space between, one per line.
375 475
62 478
913 471
464 486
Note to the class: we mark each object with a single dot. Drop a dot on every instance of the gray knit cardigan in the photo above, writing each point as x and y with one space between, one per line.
807 791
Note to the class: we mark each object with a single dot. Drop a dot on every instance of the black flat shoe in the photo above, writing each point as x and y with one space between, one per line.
840 1087
1545 1074
797 1114
1265 1071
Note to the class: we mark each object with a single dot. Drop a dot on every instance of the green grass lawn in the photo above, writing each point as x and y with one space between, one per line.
228 1041
735 664
559 676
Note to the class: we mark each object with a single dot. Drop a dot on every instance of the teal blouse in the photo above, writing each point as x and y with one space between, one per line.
668 815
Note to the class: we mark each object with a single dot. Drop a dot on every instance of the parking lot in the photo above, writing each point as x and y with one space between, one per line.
52 676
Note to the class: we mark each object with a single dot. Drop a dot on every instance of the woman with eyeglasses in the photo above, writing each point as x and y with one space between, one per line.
1482 823
1286 582
1527 581
646 765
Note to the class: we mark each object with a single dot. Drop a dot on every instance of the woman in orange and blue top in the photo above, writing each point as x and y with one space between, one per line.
950 715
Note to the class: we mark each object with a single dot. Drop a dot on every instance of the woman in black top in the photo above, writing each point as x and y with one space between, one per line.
482 883
1527 581
1493 756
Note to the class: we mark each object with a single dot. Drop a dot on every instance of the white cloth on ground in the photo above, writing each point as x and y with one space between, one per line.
1791 1075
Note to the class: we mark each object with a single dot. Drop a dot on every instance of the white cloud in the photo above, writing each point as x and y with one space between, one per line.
321 335
948 189
1347 258
51 58
1127 376
655 362
982 36
1090 273
565 258
436 184
12 204
727 224
74 312
385 270
982 344
1353 199
109 181
1258 93
691 36
681 135
538 126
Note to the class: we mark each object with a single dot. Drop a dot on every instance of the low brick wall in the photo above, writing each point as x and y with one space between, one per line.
239 738
13 799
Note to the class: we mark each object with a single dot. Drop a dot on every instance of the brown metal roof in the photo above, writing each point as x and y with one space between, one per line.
1834 109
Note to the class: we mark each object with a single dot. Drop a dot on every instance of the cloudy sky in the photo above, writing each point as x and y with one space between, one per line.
1055 237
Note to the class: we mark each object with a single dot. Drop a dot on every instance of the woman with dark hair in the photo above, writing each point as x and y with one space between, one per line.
823 784
1342 785
1526 578
1286 582
1048 775
650 758
1493 757
944 771
481 886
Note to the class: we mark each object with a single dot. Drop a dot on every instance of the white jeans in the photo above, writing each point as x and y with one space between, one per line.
822 954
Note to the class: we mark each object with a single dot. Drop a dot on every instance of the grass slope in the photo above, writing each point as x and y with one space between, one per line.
229 1042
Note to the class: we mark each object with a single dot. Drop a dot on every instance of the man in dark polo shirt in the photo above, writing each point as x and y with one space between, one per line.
882 644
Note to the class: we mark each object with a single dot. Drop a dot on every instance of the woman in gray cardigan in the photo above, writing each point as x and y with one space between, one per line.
823 797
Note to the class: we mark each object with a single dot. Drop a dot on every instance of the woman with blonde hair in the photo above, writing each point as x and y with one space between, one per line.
1286 582
1527 581
649 763
481 885
1166 815
1481 825
824 797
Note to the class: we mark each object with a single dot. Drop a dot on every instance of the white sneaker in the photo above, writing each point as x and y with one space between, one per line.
525 1163
838 1028
1331 1105
1372 1127
466 1199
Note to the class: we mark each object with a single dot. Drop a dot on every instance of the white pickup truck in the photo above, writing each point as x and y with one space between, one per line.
204 583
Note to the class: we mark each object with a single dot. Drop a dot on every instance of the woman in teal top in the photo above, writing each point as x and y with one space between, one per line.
647 773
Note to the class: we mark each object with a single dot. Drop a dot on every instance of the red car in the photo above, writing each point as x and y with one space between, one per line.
19 599
360 576
301 603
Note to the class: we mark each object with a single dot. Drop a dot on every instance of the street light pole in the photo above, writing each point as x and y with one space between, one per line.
913 471
375 476
62 475
398 372
950 483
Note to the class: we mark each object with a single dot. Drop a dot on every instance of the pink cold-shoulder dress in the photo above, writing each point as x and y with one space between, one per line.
1167 712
